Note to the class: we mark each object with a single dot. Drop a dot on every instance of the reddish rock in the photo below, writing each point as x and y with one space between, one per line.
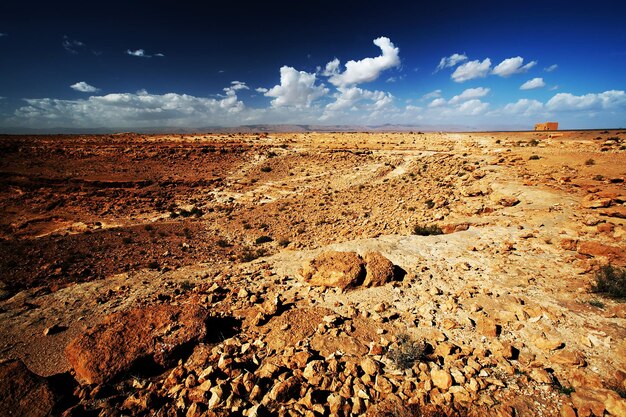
379 270
454 227
595 201
23 393
614 254
122 339
487 327
569 244
334 269
568 358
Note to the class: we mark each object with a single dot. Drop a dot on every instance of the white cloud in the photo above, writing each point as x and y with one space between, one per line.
364 70
473 107
551 68
524 107
141 53
469 94
512 66
261 90
138 53
432 94
611 99
438 102
71 45
451 61
471 70
534 83
131 109
296 88
236 86
83 87
348 97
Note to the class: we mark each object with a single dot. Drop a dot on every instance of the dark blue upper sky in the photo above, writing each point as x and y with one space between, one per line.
79 64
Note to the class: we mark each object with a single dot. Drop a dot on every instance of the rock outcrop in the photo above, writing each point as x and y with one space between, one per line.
121 340
23 393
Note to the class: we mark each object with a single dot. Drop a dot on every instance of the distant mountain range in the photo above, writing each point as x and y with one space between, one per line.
259 128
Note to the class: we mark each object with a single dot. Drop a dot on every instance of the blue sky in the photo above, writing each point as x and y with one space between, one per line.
481 65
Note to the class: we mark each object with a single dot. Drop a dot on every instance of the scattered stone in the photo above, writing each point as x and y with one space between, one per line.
441 379
568 358
370 366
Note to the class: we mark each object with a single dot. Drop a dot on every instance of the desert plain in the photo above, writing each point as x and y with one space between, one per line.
312 274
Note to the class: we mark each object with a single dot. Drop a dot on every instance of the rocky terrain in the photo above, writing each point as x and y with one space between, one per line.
312 274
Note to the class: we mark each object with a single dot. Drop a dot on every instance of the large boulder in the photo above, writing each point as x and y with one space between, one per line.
121 340
335 269
23 393
378 270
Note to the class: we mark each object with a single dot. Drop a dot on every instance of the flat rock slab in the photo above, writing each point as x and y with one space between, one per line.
23 393
123 339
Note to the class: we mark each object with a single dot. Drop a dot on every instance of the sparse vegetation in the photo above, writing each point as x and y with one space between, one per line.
249 255
596 303
566 390
263 239
427 230
222 243
407 352
611 280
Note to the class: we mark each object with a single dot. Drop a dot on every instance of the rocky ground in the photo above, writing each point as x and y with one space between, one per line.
312 274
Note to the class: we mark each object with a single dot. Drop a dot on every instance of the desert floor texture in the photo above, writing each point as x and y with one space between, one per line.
312 274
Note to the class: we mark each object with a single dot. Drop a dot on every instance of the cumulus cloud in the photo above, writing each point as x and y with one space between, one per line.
236 86
141 53
432 94
551 68
512 66
450 61
524 107
83 87
534 83
366 69
129 109
296 89
71 45
438 102
611 99
261 90
469 94
473 107
348 97
471 70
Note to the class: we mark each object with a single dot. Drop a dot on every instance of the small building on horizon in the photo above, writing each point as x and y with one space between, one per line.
547 126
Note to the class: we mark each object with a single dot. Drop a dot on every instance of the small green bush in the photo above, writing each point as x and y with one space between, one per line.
263 239
427 230
406 353
611 280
